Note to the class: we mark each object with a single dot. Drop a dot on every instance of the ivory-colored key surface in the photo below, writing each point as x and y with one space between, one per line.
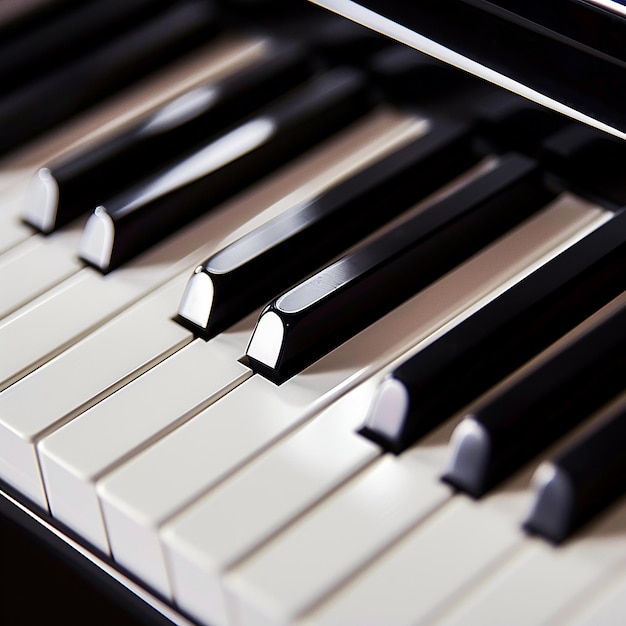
96 366
333 540
12 230
36 265
76 455
441 555
250 507
541 579
605 604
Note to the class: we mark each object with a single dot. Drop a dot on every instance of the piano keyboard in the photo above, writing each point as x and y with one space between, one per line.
218 489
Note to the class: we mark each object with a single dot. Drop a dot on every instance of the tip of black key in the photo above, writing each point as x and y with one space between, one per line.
386 420
42 200
470 453
551 514
97 242
194 311
583 480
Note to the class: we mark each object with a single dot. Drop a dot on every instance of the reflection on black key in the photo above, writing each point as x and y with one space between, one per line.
456 368
17 19
583 480
519 421
49 100
411 76
250 271
59 32
74 185
142 215
589 162
510 122
318 314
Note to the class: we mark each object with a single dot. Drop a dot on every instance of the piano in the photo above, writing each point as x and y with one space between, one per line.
338 343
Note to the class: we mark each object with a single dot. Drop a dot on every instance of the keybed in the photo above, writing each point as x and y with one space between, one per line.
220 494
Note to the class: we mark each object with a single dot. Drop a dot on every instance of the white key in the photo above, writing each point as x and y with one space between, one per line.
207 539
607 607
12 230
75 456
310 558
49 324
279 410
418 576
326 451
542 579
37 265
94 368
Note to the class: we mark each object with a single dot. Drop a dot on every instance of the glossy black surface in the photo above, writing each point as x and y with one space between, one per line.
588 162
593 475
570 50
157 206
254 269
52 583
87 177
343 298
52 98
508 331
63 31
546 403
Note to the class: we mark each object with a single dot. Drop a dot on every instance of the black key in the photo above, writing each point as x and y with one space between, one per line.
49 100
79 181
65 33
17 19
412 77
589 162
456 368
149 211
512 426
581 481
509 122
250 271
330 37
311 319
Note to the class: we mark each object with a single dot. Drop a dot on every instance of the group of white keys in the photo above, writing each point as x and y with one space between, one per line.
238 501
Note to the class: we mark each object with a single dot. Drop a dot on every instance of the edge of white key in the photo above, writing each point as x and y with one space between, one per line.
75 456
134 514
80 377
607 606
36 265
541 579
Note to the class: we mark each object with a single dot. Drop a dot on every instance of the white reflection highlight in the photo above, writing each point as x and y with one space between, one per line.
184 108
262 239
213 157
317 287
